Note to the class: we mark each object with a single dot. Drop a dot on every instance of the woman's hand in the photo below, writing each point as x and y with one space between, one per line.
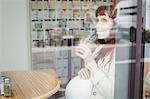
83 51
84 73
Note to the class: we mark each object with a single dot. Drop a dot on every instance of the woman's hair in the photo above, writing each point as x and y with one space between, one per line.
110 40
101 11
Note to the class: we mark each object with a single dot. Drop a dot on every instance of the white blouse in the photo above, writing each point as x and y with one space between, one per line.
99 86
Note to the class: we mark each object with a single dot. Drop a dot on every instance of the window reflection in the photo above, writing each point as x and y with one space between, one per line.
58 26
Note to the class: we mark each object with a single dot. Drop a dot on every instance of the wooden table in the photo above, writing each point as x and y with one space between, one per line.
32 84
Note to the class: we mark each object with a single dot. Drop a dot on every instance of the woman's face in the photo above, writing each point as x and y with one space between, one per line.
104 24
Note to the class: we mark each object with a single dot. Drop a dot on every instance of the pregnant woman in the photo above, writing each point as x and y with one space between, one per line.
96 79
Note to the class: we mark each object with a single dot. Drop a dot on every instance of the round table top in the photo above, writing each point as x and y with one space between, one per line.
32 84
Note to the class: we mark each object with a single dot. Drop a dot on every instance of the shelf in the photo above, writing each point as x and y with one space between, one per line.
63 17
58 19
37 29
42 9
83 28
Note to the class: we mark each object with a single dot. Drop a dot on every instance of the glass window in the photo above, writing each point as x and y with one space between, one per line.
58 26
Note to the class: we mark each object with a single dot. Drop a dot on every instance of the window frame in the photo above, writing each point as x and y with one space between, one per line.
136 70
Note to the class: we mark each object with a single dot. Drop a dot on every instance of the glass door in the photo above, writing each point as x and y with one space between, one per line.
129 53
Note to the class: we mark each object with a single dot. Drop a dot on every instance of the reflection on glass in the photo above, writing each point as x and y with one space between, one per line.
62 26
126 16
56 27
